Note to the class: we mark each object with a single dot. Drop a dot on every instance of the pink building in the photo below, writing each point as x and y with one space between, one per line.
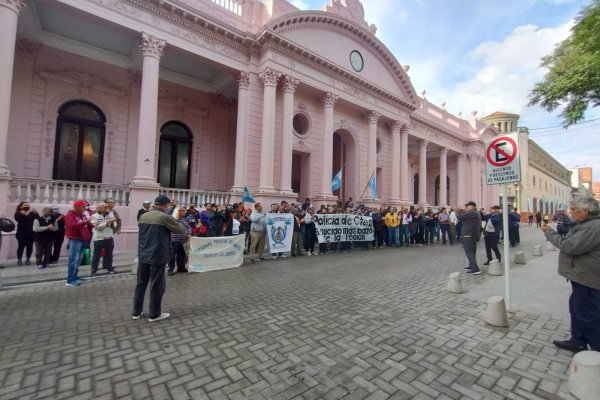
199 98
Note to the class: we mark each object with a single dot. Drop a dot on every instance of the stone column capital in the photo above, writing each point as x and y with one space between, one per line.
243 80
461 157
473 157
444 151
15 5
423 143
330 99
151 46
269 76
290 84
374 117
396 127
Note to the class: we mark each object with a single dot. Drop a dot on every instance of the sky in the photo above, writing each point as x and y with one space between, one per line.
484 56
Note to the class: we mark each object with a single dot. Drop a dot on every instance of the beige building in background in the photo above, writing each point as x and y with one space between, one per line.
581 181
546 184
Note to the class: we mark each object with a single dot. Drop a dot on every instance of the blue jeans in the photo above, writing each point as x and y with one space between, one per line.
393 236
404 235
75 253
584 306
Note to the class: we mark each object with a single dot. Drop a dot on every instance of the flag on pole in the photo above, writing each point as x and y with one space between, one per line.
336 183
373 185
247 196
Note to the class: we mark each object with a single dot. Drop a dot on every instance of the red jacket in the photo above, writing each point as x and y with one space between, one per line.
77 226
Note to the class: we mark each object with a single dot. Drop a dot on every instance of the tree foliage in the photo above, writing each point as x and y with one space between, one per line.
573 79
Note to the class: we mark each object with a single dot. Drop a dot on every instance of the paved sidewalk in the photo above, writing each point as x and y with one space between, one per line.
375 324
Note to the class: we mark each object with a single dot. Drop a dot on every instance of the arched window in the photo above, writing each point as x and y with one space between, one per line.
437 190
79 147
174 155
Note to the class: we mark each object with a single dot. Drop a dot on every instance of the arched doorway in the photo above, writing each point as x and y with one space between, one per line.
174 155
437 190
344 154
79 146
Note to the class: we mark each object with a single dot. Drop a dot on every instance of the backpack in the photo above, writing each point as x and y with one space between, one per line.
6 225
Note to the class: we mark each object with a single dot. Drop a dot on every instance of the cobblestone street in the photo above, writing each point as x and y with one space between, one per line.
375 324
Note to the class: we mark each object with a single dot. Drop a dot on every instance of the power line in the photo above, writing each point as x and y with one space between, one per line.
560 126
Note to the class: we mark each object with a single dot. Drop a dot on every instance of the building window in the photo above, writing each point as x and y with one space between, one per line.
533 180
174 156
79 147
301 124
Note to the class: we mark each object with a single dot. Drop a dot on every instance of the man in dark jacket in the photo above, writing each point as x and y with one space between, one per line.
471 231
578 262
154 250
491 233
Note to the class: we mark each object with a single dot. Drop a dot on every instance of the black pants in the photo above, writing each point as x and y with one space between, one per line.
25 240
310 237
58 240
108 245
43 252
177 254
445 233
584 306
379 237
155 275
491 243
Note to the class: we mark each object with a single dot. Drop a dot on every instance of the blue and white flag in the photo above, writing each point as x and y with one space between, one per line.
373 185
336 183
247 196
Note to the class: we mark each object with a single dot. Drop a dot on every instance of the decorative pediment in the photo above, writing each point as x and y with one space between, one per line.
352 10
83 80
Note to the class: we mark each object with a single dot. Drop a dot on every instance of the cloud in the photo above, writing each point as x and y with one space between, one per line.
302 5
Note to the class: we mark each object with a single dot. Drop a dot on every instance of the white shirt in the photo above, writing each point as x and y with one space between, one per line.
235 230
452 218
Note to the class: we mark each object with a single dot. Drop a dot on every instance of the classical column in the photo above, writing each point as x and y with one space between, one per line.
460 180
152 50
443 176
396 150
9 13
473 158
423 172
404 178
327 152
239 177
372 148
269 78
287 134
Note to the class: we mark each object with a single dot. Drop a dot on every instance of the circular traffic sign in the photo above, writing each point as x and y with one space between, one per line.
504 151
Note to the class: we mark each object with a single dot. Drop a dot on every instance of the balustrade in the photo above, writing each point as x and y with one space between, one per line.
235 6
199 197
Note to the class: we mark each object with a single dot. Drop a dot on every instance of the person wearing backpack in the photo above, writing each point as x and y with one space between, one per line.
491 233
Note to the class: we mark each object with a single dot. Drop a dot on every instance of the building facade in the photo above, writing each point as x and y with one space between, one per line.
199 99
581 181
546 184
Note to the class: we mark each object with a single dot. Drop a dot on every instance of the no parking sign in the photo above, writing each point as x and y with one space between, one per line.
502 159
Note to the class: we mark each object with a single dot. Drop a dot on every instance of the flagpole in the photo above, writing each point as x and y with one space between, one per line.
369 180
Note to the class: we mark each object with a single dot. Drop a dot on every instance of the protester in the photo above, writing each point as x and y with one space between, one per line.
78 232
578 262
58 237
43 227
178 241
102 238
392 222
24 216
471 231
145 208
310 232
258 230
491 233
444 221
514 219
154 250
562 221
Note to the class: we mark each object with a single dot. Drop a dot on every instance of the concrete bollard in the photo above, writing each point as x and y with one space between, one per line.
537 250
520 258
495 269
134 267
550 247
454 283
583 375
495 314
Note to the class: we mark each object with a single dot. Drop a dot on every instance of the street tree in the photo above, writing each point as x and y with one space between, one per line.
573 77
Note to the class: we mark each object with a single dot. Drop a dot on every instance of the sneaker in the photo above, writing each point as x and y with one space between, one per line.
40 266
308 253
112 272
486 263
467 267
74 283
283 256
19 262
78 281
27 262
136 317
93 274
474 271
161 316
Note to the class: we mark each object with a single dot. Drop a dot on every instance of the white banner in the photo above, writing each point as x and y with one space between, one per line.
343 228
209 254
280 230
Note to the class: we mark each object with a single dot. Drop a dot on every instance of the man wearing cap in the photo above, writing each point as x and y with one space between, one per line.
491 233
154 251
78 229
471 231
145 208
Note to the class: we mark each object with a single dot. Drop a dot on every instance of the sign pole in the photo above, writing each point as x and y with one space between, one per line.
505 229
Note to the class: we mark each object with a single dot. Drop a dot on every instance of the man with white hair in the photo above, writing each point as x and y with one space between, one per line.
578 261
